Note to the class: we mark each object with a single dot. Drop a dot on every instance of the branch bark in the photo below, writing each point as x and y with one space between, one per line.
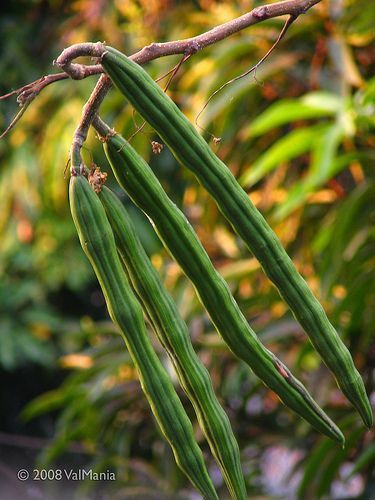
89 112
187 46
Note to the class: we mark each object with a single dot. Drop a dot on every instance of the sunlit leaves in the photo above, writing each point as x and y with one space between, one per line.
310 106
324 150
292 145
300 138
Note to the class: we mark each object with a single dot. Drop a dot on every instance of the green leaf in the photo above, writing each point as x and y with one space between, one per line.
353 216
241 87
315 465
47 402
34 349
333 465
315 462
367 457
60 443
322 168
8 352
314 105
288 147
323 100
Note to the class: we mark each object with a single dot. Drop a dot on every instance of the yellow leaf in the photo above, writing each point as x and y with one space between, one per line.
81 361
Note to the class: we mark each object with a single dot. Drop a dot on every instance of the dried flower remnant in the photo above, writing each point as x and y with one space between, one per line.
157 147
97 178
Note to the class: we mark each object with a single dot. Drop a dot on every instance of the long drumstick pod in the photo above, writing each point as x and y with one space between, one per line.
136 177
191 150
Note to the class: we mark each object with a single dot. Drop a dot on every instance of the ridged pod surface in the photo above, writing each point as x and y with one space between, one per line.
137 178
192 151
174 335
97 241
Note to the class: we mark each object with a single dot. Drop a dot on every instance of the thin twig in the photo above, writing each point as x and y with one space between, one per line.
29 92
188 46
175 70
78 71
15 119
194 44
254 68
102 128
34 87
89 111
171 73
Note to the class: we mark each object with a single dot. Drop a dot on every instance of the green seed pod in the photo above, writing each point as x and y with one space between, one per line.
174 335
137 178
98 243
193 152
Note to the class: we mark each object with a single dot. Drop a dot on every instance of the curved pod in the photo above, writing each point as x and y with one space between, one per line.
192 151
97 241
179 238
174 335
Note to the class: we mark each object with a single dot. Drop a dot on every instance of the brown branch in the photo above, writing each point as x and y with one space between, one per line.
26 94
187 46
190 46
88 113
102 128
78 71
16 118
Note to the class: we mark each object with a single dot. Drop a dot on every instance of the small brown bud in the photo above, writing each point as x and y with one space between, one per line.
157 148
97 178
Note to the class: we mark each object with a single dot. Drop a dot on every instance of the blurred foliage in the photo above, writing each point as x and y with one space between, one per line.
299 137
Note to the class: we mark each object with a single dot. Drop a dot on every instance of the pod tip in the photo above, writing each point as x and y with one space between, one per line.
340 438
367 416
